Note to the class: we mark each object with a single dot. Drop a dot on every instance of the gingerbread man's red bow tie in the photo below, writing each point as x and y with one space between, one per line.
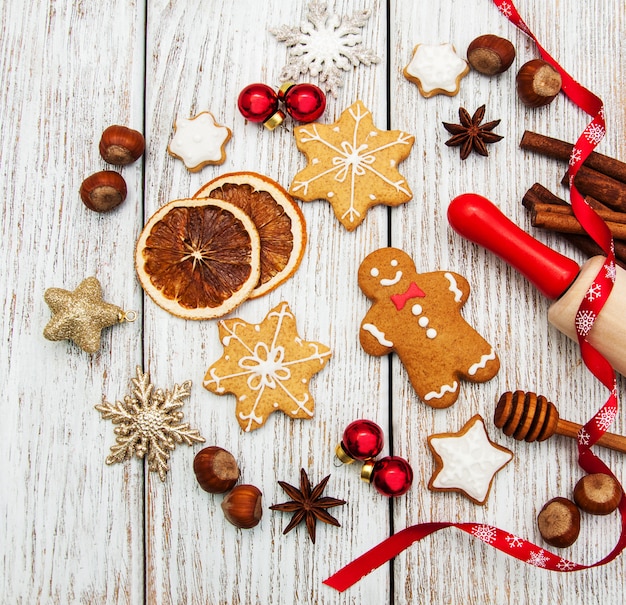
414 291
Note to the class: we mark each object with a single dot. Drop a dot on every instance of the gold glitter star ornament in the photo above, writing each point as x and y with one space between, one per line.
149 423
352 164
81 315
267 366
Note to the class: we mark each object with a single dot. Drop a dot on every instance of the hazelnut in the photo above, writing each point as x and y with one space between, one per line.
120 145
598 494
216 469
103 191
559 522
242 506
490 54
538 83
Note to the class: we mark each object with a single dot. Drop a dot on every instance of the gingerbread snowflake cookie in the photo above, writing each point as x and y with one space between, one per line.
267 366
418 316
467 461
352 164
436 69
199 141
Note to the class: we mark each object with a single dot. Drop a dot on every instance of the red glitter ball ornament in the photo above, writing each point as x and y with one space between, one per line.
362 440
259 103
303 102
392 476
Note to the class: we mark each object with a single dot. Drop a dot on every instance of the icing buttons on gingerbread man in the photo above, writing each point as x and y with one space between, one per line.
418 316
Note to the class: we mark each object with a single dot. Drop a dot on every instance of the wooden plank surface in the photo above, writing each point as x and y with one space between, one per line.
503 307
77 531
72 531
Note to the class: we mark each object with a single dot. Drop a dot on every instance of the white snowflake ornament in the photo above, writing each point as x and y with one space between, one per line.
325 45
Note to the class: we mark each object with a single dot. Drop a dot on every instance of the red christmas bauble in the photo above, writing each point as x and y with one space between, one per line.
362 439
303 102
392 476
257 102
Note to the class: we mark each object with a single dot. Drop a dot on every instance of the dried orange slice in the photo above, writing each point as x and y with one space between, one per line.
277 217
198 258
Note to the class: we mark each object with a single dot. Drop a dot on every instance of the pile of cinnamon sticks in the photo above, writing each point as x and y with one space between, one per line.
601 180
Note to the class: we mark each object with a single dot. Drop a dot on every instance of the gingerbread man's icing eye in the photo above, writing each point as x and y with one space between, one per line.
374 272
394 263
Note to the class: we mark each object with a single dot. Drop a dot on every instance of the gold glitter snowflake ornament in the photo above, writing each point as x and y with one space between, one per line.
149 423
267 366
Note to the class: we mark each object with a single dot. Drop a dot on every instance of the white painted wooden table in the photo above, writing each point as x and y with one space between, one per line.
73 530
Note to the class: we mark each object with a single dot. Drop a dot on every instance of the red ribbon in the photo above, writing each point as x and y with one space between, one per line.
595 298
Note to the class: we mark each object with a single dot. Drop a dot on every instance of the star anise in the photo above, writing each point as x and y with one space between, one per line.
307 504
469 134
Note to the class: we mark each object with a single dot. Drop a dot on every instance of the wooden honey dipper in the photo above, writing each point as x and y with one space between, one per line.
531 417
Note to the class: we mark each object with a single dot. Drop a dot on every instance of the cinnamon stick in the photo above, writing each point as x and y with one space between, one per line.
565 209
538 194
561 150
603 188
566 222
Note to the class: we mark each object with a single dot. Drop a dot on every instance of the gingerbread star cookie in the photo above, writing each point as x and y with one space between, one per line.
267 366
467 461
352 164
436 69
418 316
199 141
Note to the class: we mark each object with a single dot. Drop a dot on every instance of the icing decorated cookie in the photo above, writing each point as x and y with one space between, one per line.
436 69
199 141
418 316
352 164
466 461
267 366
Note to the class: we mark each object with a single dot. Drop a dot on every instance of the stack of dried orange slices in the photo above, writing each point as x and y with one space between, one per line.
239 237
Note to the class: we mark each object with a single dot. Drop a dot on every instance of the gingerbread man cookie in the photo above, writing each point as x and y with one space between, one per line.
418 316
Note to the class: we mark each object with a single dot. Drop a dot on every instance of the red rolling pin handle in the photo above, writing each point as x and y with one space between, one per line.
480 221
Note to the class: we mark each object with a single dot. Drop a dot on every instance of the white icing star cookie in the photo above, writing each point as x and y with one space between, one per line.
467 461
436 69
199 141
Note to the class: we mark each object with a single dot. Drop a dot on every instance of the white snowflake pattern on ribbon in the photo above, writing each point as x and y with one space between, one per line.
505 9
538 558
584 321
514 541
595 291
583 436
605 418
594 133
565 565
485 533
575 156
610 271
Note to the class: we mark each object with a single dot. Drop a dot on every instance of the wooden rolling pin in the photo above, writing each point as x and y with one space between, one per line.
530 417
558 277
